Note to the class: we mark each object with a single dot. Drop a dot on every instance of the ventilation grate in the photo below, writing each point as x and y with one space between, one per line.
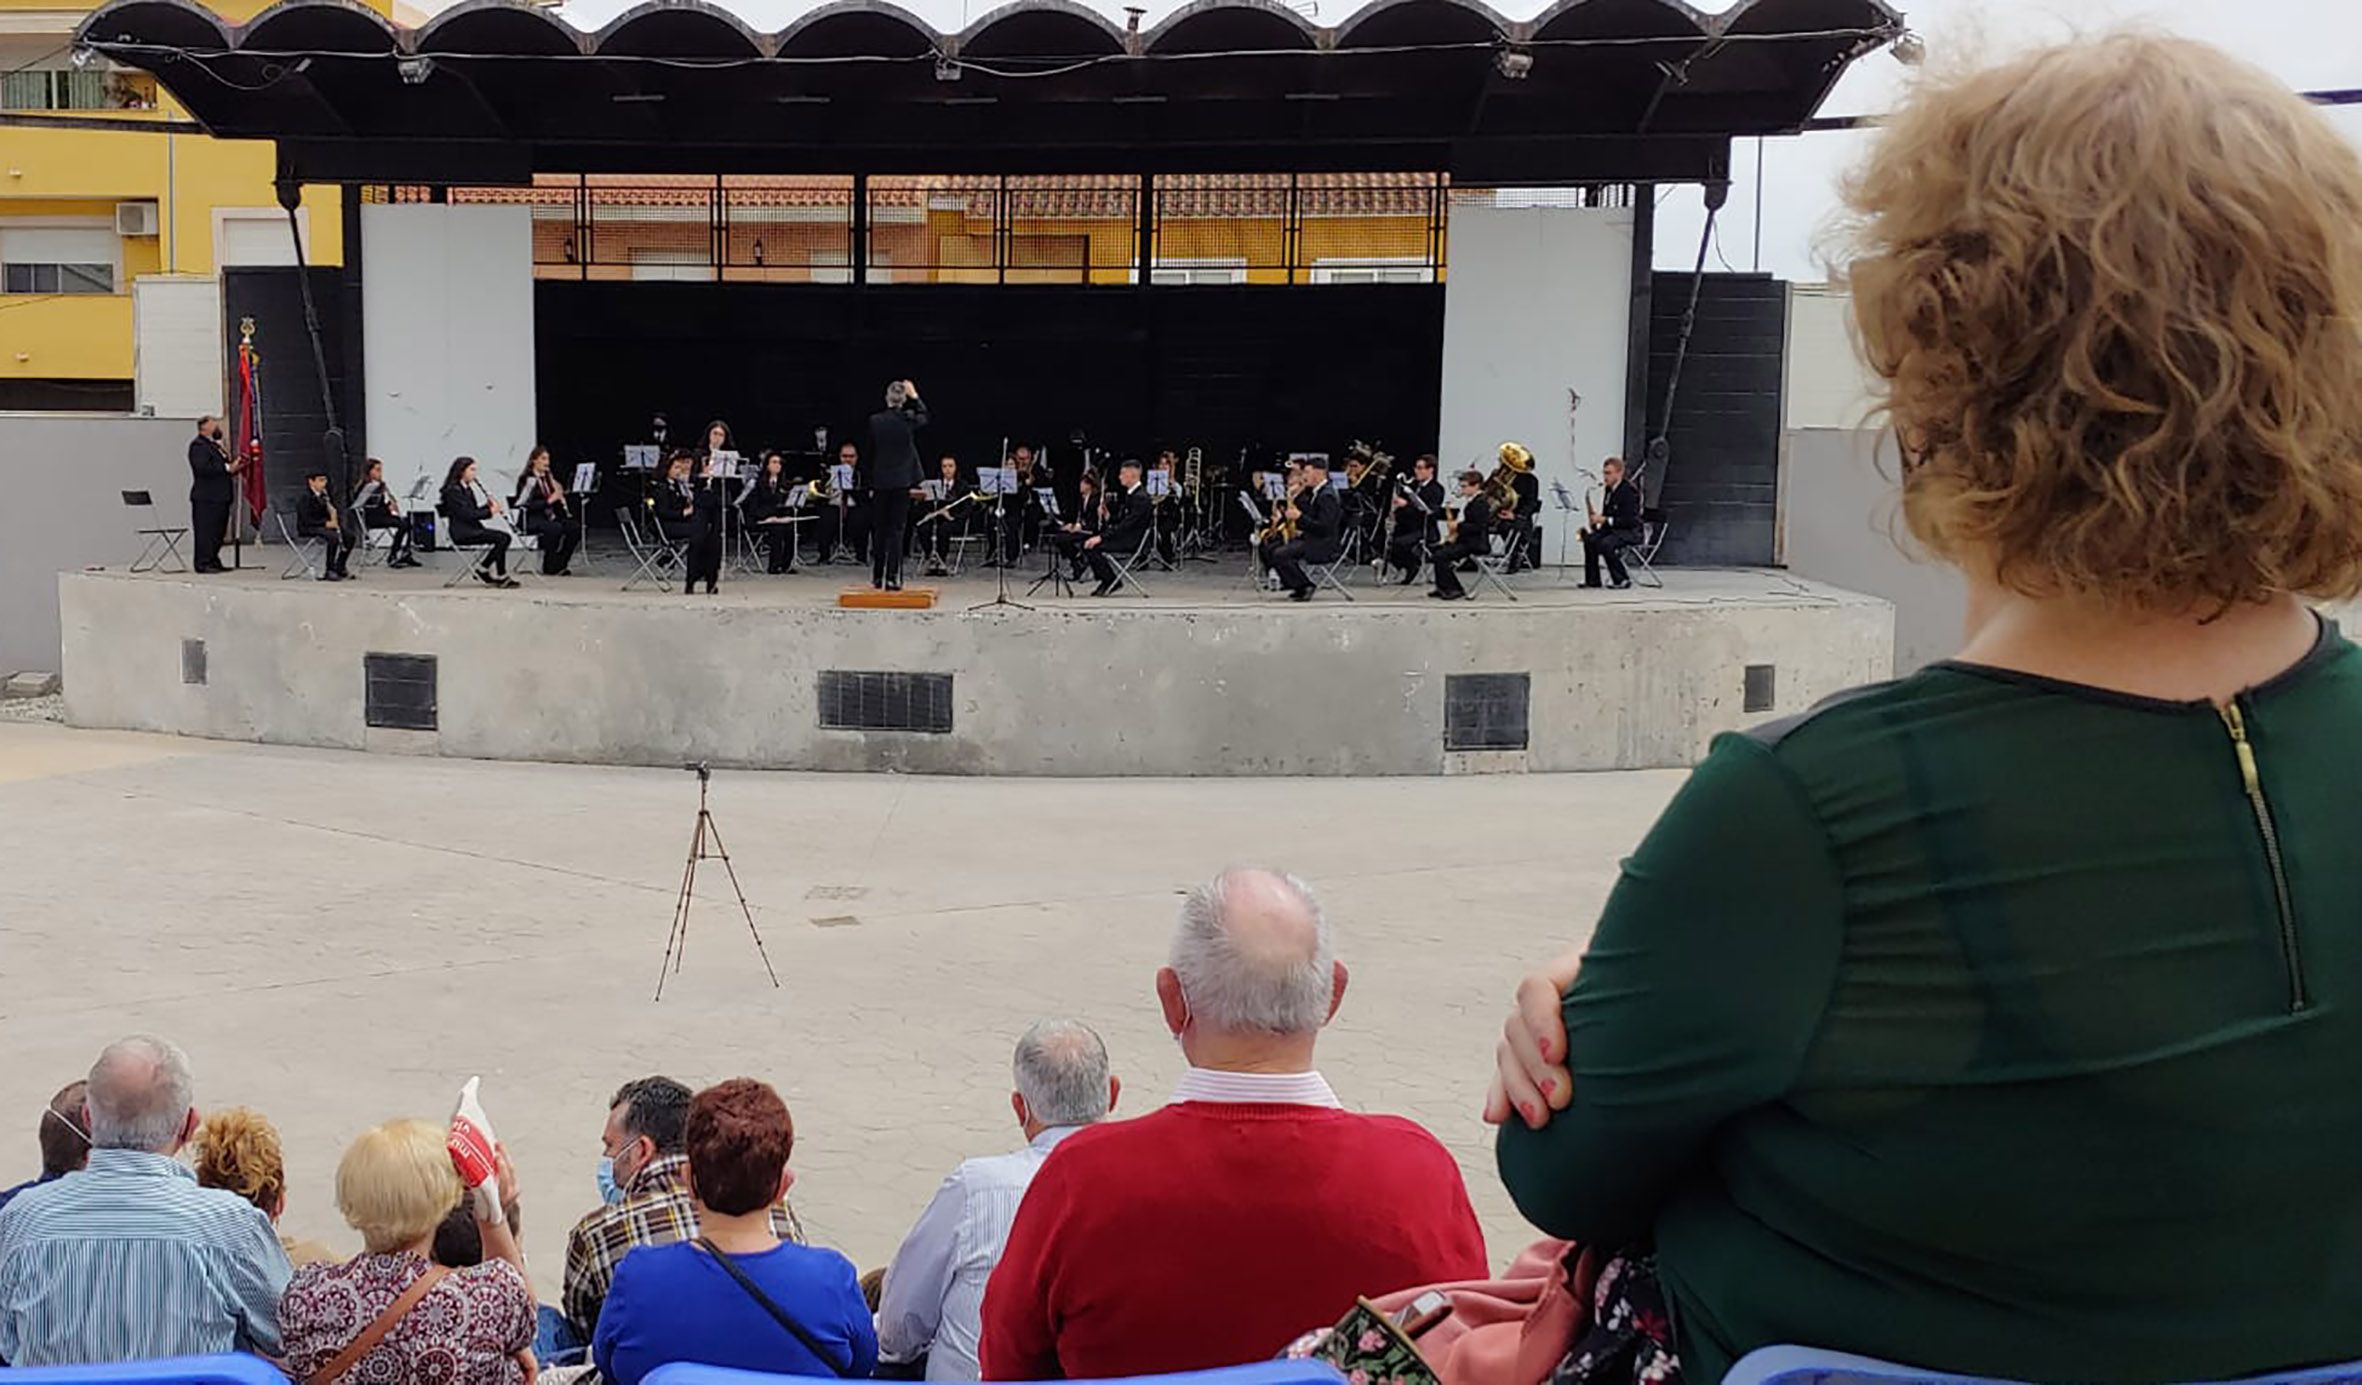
1762 685
856 701
1485 711
399 691
192 662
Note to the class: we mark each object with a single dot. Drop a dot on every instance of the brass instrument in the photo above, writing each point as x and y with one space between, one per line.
1515 460
1193 470
821 489
1282 528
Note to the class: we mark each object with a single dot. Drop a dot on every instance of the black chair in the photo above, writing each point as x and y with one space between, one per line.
162 543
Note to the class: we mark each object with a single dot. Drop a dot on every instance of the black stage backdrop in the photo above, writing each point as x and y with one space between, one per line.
1306 368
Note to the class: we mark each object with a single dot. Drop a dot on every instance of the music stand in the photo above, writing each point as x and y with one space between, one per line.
1055 573
1567 510
1000 482
1255 578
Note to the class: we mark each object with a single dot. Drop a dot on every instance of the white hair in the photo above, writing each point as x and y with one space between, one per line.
140 1095
1270 990
1061 1069
896 395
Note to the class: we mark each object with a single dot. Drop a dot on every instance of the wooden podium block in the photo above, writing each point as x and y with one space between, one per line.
870 599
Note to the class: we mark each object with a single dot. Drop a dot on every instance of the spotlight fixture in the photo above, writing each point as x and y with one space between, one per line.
1132 14
415 71
1514 63
946 70
1908 48
84 56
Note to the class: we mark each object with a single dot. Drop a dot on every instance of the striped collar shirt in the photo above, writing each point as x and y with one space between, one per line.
130 1260
1255 1088
933 1301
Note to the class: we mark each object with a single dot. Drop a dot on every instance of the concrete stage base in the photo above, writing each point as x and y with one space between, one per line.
1207 677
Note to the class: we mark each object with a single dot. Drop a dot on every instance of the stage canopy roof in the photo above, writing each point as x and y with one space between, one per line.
497 90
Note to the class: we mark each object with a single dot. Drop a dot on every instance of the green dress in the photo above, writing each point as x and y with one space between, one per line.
1989 1023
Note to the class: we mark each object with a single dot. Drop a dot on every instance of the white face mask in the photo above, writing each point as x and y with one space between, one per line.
79 1132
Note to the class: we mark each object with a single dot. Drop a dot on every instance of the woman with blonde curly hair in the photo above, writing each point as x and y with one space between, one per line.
1998 1019
237 1151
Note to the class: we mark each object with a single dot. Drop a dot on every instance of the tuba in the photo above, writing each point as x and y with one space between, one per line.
1499 487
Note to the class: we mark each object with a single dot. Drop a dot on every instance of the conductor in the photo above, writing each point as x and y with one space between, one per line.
211 492
893 473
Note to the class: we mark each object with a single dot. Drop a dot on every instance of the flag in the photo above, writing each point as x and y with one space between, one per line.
249 432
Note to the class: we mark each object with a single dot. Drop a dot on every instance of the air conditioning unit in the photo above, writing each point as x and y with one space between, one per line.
135 218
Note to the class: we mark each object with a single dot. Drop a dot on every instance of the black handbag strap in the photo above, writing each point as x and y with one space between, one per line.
755 1292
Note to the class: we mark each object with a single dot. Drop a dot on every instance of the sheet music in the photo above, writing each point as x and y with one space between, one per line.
1160 483
723 463
586 477
934 490
840 475
1247 503
640 457
997 480
1275 486
1337 481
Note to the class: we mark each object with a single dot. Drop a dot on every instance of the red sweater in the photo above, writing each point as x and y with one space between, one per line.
1209 1234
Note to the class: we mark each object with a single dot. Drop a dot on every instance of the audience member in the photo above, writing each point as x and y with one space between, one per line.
737 1295
1215 1230
130 1259
470 1326
933 1298
65 1145
641 1179
238 1152
1994 1019
459 1242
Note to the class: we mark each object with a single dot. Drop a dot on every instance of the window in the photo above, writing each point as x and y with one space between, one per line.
1392 271
58 90
57 259
57 278
1199 271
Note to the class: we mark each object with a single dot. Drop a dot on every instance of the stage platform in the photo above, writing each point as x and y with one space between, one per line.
1204 676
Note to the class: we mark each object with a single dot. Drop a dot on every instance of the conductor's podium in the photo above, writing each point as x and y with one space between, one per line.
871 599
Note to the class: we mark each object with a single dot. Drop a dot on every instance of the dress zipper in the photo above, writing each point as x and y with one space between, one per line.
2235 721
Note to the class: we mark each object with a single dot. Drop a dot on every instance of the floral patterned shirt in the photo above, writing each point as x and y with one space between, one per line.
466 1330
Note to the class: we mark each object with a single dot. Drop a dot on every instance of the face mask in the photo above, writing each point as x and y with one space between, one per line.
610 1192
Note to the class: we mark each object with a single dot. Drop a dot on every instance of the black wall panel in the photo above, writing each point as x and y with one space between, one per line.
1720 486
294 418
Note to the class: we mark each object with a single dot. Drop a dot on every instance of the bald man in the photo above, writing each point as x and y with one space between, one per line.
1212 1231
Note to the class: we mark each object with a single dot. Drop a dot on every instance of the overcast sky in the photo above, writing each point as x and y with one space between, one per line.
2310 44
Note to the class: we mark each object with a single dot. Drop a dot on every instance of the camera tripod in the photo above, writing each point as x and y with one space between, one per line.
705 844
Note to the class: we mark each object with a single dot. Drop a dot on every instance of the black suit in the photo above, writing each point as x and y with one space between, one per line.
1319 539
1475 537
704 515
312 514
1527 523
893 472
766 501
1620 529
1414 531
211 492
375 505
1129 515
467 515
550 520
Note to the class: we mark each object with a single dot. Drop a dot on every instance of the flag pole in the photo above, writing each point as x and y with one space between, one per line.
239 512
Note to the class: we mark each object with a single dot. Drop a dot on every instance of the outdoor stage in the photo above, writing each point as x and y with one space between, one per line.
1206 676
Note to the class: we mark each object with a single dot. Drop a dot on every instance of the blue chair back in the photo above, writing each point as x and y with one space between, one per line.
230 1368
1806 1366
1260 1373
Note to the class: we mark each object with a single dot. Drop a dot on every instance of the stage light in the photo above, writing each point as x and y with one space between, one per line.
1909 49
415 71
946 70
1514 63
83 57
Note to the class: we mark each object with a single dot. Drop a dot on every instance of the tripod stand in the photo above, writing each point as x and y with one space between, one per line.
676 943
1002 478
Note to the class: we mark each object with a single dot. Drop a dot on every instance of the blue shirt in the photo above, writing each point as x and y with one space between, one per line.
10 1195
130 1260
673 1303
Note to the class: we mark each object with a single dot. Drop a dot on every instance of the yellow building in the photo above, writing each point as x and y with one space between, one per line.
110 240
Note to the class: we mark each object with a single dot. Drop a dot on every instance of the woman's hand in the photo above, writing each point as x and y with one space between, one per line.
1532 1074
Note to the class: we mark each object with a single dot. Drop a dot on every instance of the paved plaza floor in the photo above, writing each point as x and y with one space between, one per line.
341 938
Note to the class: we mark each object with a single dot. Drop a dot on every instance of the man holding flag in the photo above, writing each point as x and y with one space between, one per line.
211 492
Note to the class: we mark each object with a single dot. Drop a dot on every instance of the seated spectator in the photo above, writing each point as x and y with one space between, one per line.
65 1145
129 1259
934 1291
1995 1019
459 1242
470 1326
737 1295
642 1180
1215 1230
238 1152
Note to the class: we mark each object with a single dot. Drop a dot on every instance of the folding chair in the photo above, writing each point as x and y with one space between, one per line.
1325 574
305 555
959 547
1493 568
658 559
162 544
1142 552
1640 560
517 543
375 545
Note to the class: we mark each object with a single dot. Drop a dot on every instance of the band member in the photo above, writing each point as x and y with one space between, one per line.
1319 517
894 471
316 518
211 493
1614 527
1127 520
945 523
767 500
1020 519
1473 535
374 502
1418 520
845 522
1526 523
704 517
674 503
1082 527
718 438
549 514
467 507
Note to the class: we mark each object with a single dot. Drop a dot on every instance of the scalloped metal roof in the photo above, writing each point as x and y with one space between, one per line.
1616 90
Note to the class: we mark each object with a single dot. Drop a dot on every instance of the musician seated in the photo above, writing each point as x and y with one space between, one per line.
1418 520
1081 528
845 521
1020 514
949 515
549 515
1471 536
1129 516
769 507
1614 527
1317 516
1167 508
316 518
1526 520
374 502
467 509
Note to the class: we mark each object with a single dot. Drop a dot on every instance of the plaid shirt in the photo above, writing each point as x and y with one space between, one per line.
656 1212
